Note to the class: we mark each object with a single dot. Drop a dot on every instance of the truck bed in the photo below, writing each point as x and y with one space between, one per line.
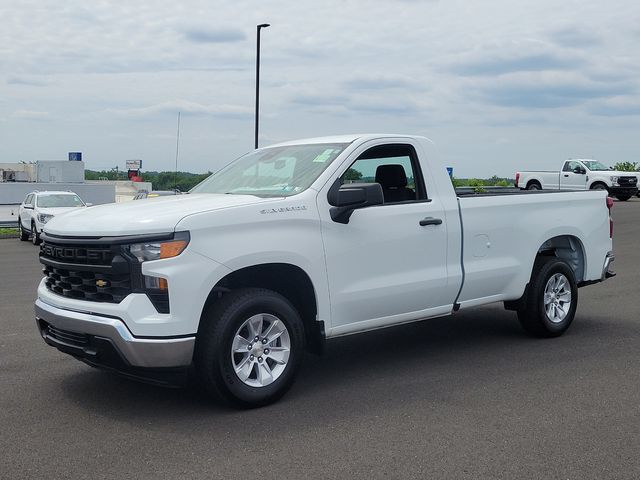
497 191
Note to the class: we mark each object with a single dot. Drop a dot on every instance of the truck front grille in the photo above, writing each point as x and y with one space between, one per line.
627 181
87 285
96 273
78 255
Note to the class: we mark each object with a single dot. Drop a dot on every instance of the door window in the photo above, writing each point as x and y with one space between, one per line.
571 166
394 167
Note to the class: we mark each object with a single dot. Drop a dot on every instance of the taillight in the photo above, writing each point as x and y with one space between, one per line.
517 178
609 207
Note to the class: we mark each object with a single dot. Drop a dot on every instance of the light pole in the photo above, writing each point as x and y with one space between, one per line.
258 28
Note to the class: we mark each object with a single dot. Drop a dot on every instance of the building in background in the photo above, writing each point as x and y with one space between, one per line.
19 179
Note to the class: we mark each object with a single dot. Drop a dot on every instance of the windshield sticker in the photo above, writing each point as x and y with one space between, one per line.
324 156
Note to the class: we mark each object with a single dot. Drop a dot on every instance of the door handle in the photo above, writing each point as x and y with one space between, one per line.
430 221
566 175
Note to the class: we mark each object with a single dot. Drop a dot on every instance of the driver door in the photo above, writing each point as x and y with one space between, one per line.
383 266
569 180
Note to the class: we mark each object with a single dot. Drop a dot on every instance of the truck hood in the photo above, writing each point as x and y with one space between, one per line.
155 215
614 173
56 210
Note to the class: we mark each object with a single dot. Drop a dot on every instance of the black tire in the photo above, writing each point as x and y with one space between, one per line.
534 186
623 198
532 315
24 236
218 327
35 236
599 186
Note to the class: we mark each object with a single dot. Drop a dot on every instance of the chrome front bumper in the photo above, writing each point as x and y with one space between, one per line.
96 339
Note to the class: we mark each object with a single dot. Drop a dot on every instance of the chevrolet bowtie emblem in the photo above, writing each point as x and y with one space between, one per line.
101 283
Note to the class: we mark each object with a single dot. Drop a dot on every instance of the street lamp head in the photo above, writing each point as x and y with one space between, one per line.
263 25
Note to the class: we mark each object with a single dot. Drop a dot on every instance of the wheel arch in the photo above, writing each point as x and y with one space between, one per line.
599 182
567 247
290 281
533 181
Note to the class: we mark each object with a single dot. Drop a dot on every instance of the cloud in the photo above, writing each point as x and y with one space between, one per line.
379 82
30 114
382 106
343 104
517 63
27 80
548 91
575 37
617 107
314 100
204 35
461 72
185 107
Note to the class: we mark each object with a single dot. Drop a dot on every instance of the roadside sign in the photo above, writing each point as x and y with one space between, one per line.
134 164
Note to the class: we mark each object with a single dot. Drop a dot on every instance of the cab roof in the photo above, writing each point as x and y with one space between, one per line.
340 139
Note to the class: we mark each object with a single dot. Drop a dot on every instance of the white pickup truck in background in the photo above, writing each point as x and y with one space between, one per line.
582 174
301 242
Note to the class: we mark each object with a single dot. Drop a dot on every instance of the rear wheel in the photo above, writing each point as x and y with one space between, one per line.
250 345
35 236
534 186
623 198
551 298
24 236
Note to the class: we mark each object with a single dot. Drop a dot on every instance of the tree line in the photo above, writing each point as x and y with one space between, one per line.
182 181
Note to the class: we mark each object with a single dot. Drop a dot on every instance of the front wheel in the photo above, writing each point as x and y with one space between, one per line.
24 236
249 346
551 298
35 236
623 198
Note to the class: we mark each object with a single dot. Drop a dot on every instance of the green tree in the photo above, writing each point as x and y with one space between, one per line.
626 166
353 175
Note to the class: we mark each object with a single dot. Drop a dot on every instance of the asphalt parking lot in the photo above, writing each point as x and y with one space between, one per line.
468 396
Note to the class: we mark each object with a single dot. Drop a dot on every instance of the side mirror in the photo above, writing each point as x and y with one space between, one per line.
579 170
351 196
29 207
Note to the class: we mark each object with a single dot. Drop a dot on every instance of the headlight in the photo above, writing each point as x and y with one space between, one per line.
160 249
614 180
44 217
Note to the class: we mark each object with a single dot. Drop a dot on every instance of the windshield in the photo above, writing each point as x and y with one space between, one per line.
594 165
53 201
273 172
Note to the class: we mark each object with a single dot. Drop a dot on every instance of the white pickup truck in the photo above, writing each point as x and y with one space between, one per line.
301 242
582 174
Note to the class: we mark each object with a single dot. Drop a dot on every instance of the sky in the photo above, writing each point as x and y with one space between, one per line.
498 85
